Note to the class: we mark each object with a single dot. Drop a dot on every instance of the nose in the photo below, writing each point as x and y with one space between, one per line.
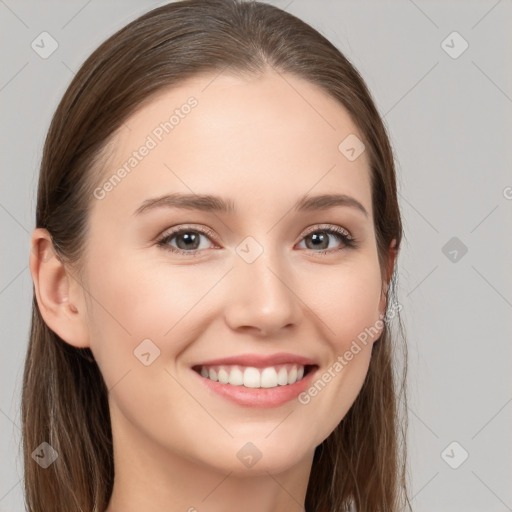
261 297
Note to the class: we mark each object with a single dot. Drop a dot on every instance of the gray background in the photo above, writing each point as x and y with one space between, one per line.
449 121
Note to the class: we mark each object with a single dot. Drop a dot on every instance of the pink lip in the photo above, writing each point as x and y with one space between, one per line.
259 361
259 397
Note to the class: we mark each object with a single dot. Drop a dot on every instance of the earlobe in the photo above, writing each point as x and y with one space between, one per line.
59 299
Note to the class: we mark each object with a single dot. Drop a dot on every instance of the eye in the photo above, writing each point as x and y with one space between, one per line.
319 238
188 240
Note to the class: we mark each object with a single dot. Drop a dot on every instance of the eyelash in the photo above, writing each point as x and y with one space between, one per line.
349 241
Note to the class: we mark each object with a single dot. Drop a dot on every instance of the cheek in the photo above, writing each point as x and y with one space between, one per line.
138 298
134 303
348 305
347 299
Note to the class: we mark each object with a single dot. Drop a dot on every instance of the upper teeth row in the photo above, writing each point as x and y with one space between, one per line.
251 377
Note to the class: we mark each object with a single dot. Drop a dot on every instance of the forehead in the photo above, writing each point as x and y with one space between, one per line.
259 138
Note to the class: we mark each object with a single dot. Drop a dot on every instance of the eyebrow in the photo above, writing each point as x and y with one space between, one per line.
211 203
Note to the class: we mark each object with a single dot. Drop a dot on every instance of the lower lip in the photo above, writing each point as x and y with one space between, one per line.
259 397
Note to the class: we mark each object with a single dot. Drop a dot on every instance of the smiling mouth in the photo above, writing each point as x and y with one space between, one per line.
252 377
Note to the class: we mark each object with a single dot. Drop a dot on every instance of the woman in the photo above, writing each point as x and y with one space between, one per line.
216 237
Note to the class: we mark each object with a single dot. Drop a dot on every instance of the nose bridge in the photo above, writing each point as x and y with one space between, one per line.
262 294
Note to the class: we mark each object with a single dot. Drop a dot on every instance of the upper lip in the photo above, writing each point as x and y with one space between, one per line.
259 360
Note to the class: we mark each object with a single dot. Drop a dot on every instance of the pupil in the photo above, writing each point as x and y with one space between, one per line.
189 238
318 238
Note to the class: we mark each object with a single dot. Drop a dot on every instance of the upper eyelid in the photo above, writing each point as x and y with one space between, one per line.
327 227
171 232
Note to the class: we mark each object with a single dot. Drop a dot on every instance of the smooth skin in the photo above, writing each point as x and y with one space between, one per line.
263 143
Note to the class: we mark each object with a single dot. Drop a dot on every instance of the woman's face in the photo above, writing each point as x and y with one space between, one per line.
249 281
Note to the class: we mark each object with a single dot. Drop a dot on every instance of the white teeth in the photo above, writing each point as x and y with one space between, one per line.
292 375
282 377
250 377
269 378
223 376
236 377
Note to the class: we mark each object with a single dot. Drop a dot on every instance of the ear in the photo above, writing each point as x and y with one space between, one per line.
392 254
59 295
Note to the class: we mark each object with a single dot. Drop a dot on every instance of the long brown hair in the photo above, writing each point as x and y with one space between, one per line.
362 464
